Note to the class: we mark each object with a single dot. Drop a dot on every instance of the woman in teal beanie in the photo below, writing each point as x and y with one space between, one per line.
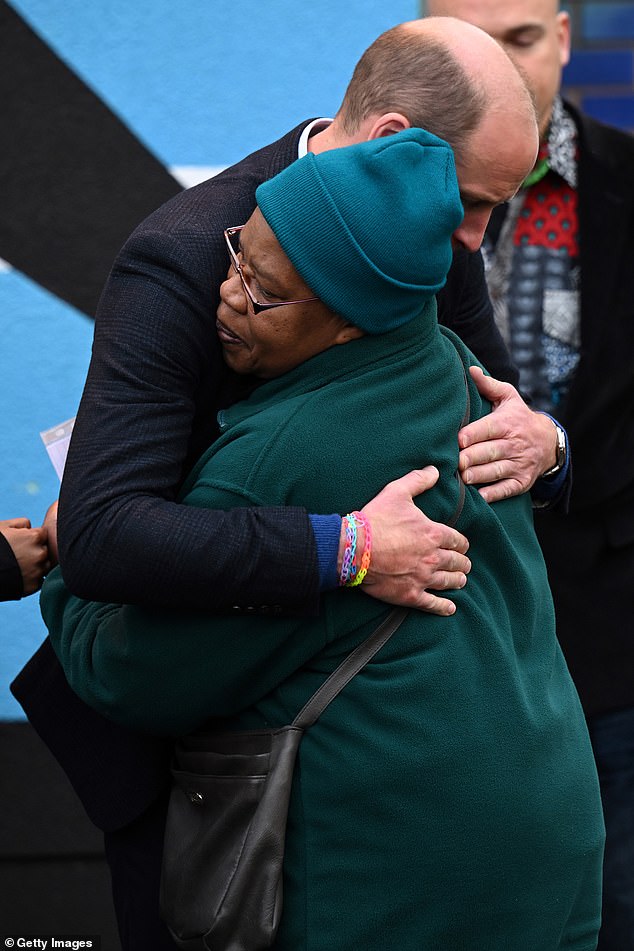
447 799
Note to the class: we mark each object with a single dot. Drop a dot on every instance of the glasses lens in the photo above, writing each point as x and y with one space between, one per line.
233 238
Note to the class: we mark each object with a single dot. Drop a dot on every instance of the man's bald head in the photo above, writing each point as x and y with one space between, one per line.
449 77
442 74
409 70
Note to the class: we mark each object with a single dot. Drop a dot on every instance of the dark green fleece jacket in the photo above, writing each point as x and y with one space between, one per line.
447 800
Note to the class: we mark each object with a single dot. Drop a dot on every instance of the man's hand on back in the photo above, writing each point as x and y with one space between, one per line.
413 556
510 448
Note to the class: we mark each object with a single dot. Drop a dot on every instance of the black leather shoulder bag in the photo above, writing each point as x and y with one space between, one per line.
221 887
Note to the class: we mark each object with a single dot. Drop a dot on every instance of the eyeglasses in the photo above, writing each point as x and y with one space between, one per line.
232 237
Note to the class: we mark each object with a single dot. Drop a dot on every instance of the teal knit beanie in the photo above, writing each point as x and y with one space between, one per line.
368 227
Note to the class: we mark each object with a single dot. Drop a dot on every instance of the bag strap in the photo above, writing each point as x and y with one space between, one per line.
361 655
348 668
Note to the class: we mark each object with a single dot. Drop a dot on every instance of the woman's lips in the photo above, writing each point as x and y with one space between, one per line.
227 336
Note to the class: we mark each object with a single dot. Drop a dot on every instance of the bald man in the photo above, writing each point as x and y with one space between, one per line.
563 290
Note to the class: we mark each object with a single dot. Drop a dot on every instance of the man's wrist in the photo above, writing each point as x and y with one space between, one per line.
554 490
560 450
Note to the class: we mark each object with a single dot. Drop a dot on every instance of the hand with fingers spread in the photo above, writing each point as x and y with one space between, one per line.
508 450
30 549
412 556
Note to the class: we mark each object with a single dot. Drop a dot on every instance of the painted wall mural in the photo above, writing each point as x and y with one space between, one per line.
107 109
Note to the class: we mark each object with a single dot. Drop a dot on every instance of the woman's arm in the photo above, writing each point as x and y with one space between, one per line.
165 670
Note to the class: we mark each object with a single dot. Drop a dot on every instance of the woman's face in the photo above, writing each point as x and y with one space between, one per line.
274 341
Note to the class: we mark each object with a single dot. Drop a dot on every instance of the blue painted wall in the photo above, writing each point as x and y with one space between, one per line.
205 81
201 83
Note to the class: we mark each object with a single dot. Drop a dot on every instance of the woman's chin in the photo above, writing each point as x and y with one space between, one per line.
238 358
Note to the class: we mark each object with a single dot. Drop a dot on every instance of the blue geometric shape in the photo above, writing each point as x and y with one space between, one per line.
614 110
600 67
46 349
608 21
205 83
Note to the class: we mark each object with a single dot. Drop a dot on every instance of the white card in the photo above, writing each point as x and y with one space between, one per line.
56 441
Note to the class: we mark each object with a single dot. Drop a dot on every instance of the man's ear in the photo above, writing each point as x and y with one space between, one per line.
388 124
563 37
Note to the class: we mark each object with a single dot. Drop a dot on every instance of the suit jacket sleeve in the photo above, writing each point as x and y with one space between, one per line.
154 385
465 307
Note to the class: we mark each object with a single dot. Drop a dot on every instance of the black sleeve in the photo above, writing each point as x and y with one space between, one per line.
464 306
11 584
155 376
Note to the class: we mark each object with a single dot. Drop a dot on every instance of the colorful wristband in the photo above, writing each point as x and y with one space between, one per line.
348 566
367 551
352 574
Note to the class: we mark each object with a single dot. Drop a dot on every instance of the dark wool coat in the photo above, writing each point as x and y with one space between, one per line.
590 552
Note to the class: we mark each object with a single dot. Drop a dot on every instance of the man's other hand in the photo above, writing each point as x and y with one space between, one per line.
510 448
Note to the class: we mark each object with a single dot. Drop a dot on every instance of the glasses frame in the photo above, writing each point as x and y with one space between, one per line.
257 306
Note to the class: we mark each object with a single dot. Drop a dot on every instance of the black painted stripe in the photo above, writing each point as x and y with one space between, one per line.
74 180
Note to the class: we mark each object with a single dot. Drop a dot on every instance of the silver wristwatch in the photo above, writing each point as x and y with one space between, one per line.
561 454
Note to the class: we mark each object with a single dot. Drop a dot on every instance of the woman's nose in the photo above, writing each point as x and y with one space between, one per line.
232 292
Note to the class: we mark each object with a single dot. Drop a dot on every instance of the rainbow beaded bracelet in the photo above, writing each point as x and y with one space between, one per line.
352 575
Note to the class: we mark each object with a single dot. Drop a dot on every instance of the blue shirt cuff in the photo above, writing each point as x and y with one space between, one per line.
327 532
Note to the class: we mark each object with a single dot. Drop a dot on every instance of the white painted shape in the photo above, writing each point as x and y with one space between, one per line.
189 175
